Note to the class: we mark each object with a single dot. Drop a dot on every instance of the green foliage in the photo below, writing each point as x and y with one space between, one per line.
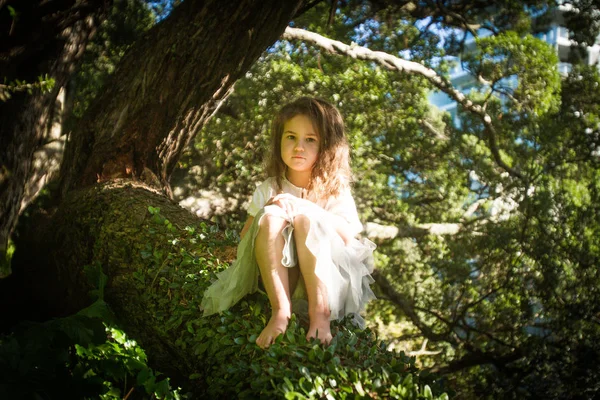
583 24
179 268
44 84
353 364
13 13
535 265
5 268
82 356
522 69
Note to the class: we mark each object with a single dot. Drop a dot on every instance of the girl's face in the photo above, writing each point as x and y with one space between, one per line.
299 144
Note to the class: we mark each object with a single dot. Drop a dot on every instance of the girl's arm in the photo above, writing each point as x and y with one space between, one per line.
247 226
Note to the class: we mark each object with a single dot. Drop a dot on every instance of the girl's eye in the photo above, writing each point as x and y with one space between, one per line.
290 137
311 140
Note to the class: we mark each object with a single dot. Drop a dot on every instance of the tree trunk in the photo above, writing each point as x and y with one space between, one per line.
166 88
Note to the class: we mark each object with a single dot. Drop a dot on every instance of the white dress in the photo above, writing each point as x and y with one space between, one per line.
343 268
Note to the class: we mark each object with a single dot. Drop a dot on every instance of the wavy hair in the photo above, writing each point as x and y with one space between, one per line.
331 172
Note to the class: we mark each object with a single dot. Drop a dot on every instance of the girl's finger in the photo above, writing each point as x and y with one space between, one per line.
285 196
279 204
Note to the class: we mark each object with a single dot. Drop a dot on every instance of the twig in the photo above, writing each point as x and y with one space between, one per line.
128 393
423 351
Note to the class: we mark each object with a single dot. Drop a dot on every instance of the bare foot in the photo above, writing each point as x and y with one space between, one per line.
320 328
275 327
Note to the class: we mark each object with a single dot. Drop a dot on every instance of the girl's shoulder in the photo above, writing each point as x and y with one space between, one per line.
267 186
263 192
269 183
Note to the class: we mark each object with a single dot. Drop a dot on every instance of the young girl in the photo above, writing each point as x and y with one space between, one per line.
300 233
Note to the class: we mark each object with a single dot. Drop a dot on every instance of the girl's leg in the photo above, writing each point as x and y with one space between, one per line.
268 248
318 304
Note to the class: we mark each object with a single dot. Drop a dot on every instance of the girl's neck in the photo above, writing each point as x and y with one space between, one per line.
298 179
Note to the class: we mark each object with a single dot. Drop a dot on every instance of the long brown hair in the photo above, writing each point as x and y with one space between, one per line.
331 172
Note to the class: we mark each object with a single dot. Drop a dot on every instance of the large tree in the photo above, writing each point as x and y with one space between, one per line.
144 119
173 79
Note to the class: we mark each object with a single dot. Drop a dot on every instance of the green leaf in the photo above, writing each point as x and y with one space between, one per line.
12 12
240 340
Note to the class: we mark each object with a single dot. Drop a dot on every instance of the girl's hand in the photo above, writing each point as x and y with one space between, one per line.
285 201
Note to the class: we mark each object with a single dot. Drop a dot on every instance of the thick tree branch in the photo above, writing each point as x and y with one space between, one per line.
143 120
397 64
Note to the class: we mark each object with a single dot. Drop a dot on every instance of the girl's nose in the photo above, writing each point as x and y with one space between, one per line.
299 146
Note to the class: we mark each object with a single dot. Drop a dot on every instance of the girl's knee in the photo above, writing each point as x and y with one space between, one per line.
271 223
301 224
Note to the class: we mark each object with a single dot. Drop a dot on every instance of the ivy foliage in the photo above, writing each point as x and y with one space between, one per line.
230 364
354 364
